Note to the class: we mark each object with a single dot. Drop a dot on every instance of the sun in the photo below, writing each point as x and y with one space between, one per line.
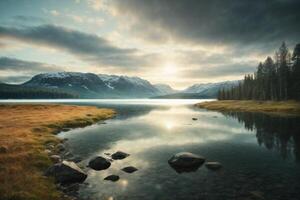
170 69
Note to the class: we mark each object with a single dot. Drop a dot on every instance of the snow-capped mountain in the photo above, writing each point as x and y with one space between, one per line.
89 85
209 89
129 86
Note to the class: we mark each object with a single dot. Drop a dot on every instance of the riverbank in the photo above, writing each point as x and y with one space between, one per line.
286 108
25 131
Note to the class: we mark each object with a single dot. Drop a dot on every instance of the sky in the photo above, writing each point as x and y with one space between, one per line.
175 42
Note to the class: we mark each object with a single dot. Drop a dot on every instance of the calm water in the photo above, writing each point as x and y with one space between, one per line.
260 154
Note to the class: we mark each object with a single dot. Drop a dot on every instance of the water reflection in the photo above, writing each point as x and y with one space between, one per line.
151 134
273 132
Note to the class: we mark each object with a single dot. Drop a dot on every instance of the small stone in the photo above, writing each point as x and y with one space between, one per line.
129 169
194 118
113 178
99 163
119 155
213 165
60 147
55 158
3 149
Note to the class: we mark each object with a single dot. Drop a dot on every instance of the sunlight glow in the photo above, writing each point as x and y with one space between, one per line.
169 125
170 69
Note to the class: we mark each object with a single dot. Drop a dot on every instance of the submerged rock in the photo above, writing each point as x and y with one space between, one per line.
194 118
99 163
213 165
119 155
129 169
186 162
66 173
113 178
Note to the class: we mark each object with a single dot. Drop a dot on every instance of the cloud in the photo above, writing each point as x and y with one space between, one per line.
17 65
88 47
27 18
214 21
14 79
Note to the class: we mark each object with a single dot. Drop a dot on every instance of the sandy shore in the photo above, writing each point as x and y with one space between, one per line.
25 131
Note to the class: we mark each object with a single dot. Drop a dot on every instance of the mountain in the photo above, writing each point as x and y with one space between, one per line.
209 89
125 86
89 85
165 89
180 95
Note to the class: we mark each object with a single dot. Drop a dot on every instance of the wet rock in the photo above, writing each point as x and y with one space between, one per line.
108 154
194 118
60 148
213 165
129 169
66 173
55 158
113 178
186 162
99 163
3 149
119 155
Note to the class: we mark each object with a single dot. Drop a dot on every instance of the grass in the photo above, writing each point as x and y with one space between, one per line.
285 108
25 130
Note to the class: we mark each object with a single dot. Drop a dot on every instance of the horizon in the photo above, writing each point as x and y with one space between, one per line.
178 43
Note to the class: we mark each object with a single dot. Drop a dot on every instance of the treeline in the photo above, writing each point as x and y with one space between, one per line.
19 92
275 79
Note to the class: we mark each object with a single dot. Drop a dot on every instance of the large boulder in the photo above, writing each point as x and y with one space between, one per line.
99 163
119 155
186 162
66 173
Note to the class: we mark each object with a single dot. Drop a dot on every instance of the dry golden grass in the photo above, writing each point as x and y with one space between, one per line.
268 107
24 131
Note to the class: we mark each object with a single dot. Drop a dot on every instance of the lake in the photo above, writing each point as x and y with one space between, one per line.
260 154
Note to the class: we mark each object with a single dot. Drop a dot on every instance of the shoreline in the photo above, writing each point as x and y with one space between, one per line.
279 108
28 139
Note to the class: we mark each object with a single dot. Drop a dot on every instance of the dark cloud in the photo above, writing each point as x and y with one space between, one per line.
89 47
214 21
13 64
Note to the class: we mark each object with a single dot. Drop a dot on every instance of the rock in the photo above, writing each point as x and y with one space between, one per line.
55 158
99 163
186 162
47 151
3 149
113 178
213 165
119 155
60 147
108 154
66 173
129 169
194 118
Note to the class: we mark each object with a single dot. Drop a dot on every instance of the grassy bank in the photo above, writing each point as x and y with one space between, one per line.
25 131
269 107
